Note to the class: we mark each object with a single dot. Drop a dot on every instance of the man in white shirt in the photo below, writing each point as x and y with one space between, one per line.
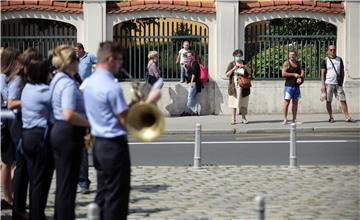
332 77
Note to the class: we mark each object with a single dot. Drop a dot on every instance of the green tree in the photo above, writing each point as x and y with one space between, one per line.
300 26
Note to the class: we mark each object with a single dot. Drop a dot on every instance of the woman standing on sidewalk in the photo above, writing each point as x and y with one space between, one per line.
193 69
68 131
238 96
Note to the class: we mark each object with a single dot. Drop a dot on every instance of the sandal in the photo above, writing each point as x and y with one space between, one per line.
284 122
331 120
349 119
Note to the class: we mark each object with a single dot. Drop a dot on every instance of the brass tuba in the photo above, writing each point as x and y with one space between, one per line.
145 122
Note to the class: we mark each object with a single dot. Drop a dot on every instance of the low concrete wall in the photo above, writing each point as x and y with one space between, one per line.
266 97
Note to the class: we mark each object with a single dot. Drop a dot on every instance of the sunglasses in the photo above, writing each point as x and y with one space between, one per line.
332 49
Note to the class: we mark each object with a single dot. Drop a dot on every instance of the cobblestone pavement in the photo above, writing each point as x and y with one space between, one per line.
228 192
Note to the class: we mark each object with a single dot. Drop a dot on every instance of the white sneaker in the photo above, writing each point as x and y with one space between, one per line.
297 122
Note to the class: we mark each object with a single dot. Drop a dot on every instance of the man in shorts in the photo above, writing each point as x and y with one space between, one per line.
332 77
293 72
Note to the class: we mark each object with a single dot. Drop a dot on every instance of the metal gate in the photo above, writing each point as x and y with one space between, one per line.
267 47
40 34
165 37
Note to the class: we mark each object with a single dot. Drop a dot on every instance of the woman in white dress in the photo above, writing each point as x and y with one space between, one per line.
238 96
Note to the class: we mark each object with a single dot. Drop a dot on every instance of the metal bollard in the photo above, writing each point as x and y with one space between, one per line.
292 156
93 212
197 151
260 207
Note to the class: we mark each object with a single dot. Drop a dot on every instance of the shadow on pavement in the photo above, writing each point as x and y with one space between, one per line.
135 200
150 188
262 122
148 211
178 97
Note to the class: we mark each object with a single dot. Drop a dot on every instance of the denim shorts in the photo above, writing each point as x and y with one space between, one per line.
292 92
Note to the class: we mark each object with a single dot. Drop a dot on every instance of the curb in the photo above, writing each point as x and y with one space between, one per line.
264 130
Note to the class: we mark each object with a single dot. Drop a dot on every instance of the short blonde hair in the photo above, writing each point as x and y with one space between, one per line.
63 56
108 49
152 54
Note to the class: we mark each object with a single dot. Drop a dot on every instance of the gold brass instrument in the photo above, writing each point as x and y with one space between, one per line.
145 122
88 140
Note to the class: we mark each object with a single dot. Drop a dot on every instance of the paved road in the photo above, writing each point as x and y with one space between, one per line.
227 192
265 149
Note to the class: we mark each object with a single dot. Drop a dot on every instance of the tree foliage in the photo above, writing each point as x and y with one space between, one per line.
138 24
44 24
301 26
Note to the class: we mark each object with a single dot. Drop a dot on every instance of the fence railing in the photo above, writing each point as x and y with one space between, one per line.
267 53
138 47
42 43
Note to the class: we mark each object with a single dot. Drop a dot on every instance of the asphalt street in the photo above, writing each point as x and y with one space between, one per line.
248 149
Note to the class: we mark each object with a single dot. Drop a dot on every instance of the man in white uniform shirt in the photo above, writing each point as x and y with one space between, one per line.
332 77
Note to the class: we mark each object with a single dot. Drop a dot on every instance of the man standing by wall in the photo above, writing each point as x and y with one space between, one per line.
332 78
294 74
86 62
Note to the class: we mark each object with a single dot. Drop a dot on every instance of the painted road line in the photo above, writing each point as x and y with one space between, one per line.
242 142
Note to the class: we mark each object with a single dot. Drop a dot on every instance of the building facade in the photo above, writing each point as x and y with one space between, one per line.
226 21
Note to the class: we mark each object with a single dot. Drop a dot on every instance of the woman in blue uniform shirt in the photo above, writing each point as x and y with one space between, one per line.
68 131
8 63
16 83
35 106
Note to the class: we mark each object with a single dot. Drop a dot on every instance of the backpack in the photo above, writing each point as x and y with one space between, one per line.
204 75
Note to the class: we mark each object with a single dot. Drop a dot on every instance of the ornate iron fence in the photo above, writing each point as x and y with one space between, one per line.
165 37
266 48
40 34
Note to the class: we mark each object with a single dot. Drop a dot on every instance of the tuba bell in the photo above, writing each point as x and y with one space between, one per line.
145 122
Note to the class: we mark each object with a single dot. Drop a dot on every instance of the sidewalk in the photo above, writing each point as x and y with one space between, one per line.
220 124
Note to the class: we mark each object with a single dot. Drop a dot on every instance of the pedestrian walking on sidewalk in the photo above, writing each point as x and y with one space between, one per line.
293 72
153 70
332 78
68 131
239 74
193 70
